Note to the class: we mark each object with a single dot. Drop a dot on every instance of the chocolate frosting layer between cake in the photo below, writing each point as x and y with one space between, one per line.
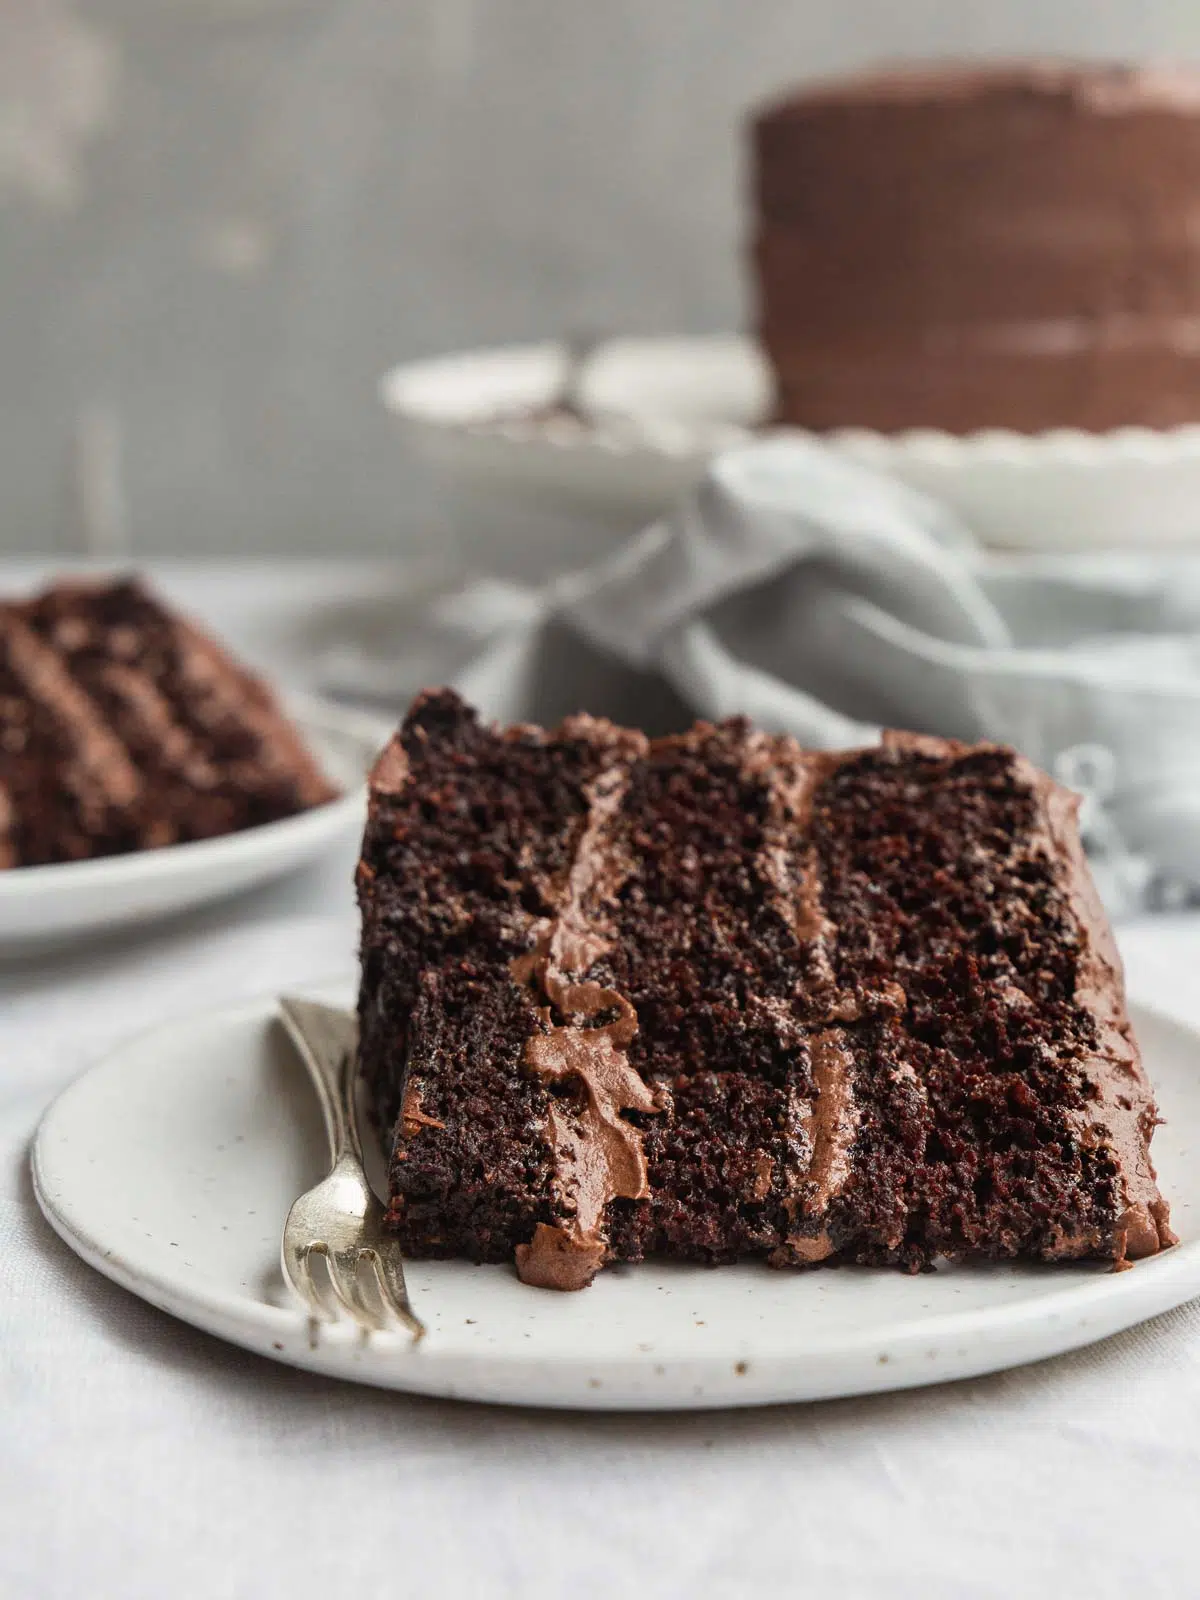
830 1124
597 1154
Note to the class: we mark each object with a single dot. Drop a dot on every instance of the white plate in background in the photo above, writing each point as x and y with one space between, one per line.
43 906
659 408
170 1167
662 406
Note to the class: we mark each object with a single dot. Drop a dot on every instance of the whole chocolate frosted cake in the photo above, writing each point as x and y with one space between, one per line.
995 246
715 996
123 727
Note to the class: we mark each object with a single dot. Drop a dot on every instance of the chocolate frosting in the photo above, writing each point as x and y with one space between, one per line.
824 1125
597 1154
830 1123
390 772
413 1116
792 775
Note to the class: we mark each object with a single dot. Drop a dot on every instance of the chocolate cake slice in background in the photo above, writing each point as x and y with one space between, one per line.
714 996
123 726
67 787
217 752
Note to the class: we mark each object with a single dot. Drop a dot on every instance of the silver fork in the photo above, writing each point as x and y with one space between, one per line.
340 1219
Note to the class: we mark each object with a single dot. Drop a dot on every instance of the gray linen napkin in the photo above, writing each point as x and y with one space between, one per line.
825 600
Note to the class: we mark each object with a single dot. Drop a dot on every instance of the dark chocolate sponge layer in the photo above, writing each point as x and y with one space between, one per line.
714 996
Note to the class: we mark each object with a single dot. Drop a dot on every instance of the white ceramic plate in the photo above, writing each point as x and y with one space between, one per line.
41 906
661 407
170 1168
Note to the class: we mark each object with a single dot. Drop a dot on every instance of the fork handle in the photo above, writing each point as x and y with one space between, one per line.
327 1042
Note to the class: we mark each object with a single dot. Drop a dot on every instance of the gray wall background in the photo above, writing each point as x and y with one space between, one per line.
220 220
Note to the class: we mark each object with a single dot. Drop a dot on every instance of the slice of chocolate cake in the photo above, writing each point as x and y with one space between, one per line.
217 752
714 996
123 727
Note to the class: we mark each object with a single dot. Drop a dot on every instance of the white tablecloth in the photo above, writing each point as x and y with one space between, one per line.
139 1458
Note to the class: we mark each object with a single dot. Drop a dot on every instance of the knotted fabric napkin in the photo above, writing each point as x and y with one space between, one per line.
823 599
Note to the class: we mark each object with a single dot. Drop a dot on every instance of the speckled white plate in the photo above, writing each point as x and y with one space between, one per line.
43 906
170 1168
659 408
